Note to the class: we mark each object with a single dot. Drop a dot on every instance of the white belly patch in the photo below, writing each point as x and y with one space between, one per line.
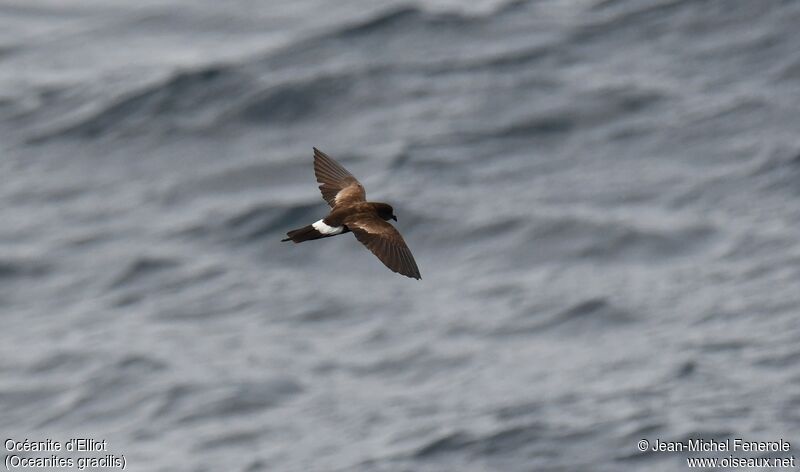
325 229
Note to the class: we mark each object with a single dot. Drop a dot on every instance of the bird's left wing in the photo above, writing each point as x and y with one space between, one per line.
338 186
385 242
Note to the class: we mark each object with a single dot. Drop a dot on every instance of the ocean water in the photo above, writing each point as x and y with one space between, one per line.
602 197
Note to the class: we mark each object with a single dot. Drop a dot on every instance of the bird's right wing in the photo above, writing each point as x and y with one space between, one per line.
338 186
385 242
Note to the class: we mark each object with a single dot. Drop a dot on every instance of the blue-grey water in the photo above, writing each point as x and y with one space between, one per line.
603 197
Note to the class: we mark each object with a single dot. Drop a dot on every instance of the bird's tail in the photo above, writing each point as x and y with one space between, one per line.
306 233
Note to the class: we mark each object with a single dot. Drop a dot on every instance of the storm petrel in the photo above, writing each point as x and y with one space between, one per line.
351 212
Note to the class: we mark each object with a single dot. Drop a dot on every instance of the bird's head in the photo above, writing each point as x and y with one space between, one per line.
385 211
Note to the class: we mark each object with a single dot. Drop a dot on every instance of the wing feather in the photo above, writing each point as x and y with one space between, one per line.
338 186
385 242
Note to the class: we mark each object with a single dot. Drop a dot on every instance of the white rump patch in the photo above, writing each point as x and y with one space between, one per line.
325 229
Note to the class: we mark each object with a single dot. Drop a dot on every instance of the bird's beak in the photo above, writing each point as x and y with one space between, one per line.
394 217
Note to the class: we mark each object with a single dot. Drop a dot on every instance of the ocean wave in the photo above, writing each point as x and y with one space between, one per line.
13 267
269 219
184 99
297 100
597 312
509 439
199 403
20 403
113 389
419 363
588 316
407 18
143 267
443 444
274 89
616 241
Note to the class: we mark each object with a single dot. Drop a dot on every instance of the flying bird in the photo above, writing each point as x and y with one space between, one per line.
351 212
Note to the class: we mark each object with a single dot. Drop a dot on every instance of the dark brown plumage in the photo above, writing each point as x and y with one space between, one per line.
351 212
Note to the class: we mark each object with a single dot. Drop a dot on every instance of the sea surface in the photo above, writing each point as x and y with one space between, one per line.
603 197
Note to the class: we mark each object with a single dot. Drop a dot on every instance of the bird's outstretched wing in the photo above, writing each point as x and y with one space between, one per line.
385 242
338 186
